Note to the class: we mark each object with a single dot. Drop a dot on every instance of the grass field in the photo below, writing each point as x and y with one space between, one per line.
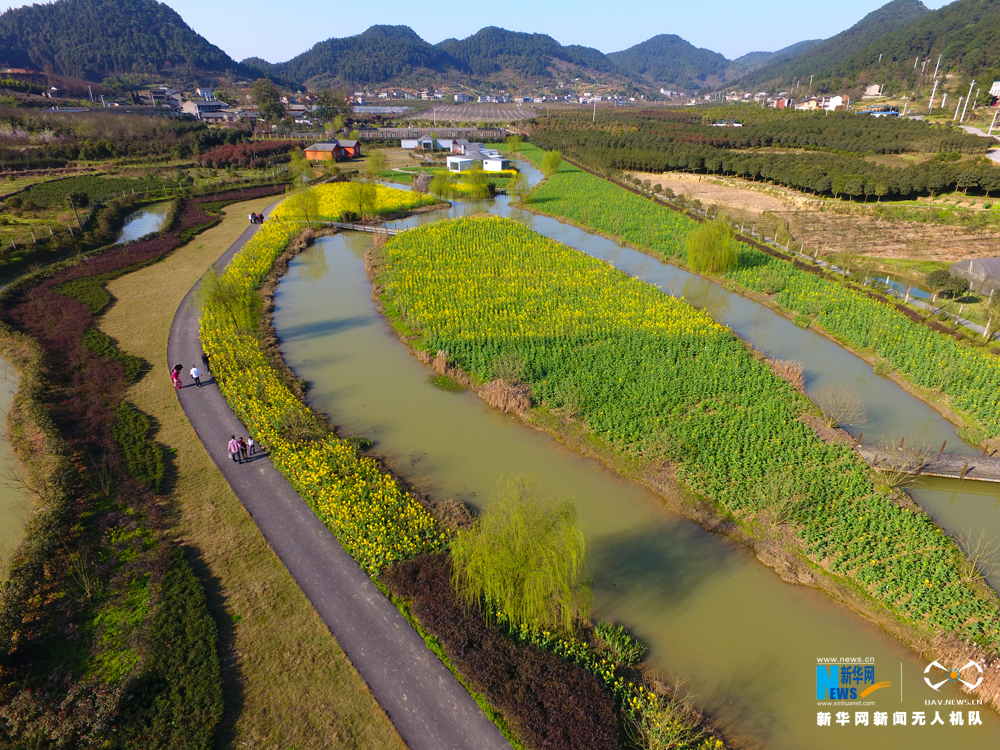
286 682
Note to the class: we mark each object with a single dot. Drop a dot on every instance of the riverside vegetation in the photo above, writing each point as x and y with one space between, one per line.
968 377
105 639
401 544
662 382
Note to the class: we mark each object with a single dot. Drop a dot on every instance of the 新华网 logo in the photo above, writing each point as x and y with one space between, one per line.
973 669
851 682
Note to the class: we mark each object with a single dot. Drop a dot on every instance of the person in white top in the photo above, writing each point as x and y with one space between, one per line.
196 375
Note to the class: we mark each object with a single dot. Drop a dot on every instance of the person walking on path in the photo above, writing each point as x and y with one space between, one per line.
243 450
175 376
234 449
196 375
251 446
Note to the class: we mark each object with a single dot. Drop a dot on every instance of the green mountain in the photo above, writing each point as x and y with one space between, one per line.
493 50
379 55
965 33
94 38
385 54
668 59
753 60
823 60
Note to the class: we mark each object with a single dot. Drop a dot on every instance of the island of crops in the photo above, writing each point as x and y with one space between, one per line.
661 381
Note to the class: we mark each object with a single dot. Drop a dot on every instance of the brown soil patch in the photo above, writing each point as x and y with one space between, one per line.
866 235
830 231
711 190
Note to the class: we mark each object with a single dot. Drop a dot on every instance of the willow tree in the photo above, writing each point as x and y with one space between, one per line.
525 557
710 247
550 163
518 187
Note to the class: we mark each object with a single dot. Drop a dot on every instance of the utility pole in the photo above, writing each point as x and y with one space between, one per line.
944 99
933 92
810 86
976 101
936 67
967 101
71 203
994 121
91 94
957 109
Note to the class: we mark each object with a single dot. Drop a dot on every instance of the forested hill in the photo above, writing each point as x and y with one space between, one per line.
492 50
94 38
966 33
753 60
668 59
384 54
825 59
380 54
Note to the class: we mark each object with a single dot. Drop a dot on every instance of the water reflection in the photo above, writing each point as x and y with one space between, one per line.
143 221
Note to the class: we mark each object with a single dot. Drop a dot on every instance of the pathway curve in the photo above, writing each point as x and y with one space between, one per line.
428 706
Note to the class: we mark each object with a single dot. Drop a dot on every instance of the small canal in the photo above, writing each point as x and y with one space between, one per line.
743 642
14 501
143 221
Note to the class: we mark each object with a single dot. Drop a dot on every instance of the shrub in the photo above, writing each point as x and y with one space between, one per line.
771 281
525 557
253 154
143 457
103 345
548 701
177 701
943 283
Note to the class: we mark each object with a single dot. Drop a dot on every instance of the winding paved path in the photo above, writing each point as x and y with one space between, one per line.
429 707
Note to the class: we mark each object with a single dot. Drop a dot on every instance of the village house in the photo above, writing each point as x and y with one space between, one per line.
161 96
333 151
423 143
495 164
207 110
458 163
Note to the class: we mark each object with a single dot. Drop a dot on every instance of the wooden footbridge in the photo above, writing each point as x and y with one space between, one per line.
982 468
389 231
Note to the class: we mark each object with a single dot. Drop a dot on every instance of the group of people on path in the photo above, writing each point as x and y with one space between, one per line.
240 450
256 218
194 372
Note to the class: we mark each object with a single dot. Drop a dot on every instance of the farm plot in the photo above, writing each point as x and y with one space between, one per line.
660 380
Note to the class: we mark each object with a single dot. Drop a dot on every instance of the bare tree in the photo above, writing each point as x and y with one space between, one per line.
982 555
840 406
897 466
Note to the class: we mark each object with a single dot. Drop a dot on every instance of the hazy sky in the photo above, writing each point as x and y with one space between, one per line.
280 31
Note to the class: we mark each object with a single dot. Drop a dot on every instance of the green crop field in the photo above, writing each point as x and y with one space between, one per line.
97 188
657 378
969 376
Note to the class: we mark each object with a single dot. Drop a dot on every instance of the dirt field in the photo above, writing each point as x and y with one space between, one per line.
830 231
